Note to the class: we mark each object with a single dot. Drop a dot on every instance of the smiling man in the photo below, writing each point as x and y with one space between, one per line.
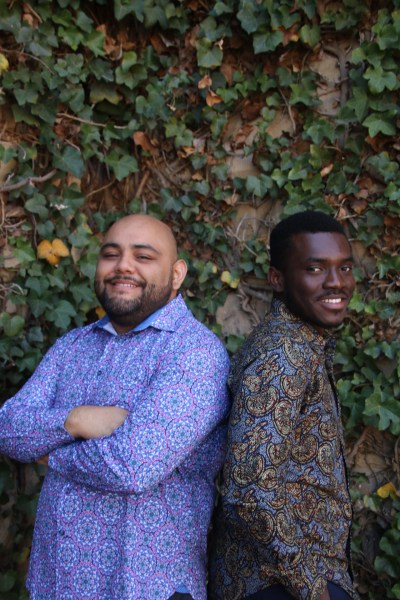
282 527
130 412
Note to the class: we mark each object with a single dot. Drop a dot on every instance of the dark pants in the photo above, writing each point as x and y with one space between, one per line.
179 596
278 592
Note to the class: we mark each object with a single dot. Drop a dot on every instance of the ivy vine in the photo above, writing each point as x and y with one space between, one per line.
201 112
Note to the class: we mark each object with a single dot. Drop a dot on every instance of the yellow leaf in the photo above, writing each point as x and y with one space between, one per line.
227 278
59 248
52 259
4 64
387 490
100 312
45 250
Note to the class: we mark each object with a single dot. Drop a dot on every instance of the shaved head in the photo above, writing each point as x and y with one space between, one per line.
148 225
138 270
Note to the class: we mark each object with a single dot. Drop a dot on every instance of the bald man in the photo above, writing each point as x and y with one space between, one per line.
130 412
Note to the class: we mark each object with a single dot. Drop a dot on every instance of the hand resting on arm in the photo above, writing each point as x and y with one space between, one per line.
89 422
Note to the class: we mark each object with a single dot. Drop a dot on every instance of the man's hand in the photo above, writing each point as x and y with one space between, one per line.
94 421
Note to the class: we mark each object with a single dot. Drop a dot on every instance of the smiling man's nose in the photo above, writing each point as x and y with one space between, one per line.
125 264
334 278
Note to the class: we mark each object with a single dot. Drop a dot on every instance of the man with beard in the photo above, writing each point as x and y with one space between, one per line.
130 412
282 528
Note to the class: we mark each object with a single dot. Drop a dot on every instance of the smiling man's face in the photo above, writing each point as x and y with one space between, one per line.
138 270
317 281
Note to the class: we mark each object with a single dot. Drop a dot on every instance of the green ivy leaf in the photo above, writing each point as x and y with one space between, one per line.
24 252
95 42
39 49
380 123
222 8
71 36
379 80
100 91
122 8
303 93
37 205
122 164
178 130
358 103
387 411
208 55
310 35
267 42
38 284
69 161
248 15
28 95
23 116
82 292
258 186
12 326
61 315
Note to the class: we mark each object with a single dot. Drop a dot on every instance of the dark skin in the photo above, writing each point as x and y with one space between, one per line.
316 284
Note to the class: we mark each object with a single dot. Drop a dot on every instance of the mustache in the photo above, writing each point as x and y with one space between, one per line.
138 282
340 293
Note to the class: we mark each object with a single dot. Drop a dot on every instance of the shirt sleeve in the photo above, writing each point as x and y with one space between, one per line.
30 426
258 476
185 402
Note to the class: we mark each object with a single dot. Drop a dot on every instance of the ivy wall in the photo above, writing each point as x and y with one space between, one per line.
217 117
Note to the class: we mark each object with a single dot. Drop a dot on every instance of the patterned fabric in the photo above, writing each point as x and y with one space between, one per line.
124 517
284 514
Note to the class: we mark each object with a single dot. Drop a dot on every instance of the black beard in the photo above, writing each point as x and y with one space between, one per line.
129 313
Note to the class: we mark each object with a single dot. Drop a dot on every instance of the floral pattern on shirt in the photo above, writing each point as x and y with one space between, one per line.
284 514
124 517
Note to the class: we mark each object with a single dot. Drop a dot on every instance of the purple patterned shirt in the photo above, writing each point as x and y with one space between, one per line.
124 517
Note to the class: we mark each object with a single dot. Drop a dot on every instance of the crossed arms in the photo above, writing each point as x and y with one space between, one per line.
111 448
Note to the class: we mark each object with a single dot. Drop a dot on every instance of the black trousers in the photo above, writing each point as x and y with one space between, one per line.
278 592
179 596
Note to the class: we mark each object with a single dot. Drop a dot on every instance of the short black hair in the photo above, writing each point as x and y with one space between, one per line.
308 221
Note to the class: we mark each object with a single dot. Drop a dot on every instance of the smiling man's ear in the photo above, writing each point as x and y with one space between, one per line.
276 279
179 271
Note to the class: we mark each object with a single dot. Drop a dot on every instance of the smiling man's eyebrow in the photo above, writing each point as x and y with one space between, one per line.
109 245
132 246
320 259
144 247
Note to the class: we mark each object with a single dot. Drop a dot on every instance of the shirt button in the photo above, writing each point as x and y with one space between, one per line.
61 532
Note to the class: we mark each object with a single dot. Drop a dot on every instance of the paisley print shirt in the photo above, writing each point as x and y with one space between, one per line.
284 514
124 517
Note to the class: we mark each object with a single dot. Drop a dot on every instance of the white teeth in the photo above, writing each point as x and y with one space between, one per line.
332 300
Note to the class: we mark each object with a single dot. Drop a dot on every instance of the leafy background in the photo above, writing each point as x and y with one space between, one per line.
217 117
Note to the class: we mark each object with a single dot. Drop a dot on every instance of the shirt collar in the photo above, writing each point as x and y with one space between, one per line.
165 318
323 339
